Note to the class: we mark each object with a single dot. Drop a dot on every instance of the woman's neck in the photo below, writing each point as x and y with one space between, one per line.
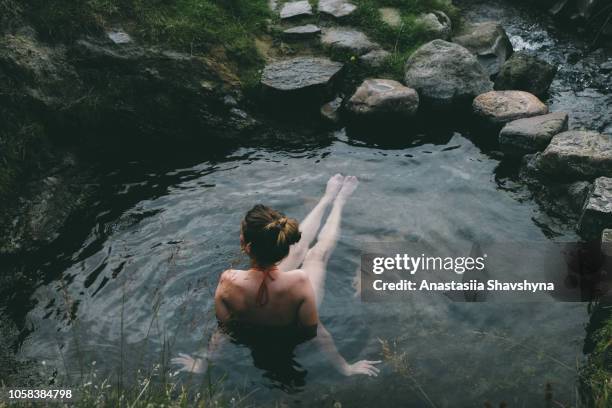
268 268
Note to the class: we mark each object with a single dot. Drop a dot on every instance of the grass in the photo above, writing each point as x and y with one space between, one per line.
597 374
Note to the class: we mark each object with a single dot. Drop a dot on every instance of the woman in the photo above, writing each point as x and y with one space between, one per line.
273 302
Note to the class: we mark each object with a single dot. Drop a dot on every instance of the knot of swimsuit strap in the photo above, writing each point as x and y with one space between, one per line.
262 294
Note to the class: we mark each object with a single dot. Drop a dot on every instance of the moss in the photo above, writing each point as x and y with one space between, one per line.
597 374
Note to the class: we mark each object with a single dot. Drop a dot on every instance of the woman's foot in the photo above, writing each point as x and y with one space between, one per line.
348 187
333 186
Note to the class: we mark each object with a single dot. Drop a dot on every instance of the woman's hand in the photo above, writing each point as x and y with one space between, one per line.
189 364
363 367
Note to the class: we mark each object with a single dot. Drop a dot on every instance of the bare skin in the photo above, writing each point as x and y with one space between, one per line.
292 292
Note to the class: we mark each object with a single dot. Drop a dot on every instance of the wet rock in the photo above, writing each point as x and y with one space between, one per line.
336 8
296 9
606 67
374 58
578 193
391 16
597 212
501 107
524 72
347 40
489 42
383 97
532 134
436 24
299 75
578 154
445 74
331 110
302 32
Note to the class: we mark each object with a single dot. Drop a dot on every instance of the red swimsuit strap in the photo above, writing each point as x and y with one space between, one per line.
262 294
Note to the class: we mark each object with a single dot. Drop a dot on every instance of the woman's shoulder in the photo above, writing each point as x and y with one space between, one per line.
230 276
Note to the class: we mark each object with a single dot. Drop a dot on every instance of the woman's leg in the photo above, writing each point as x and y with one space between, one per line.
310 226
315 262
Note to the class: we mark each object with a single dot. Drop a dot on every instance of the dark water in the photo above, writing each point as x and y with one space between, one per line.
142 279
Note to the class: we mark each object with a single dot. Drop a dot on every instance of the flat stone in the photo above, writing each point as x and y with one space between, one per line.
383 97
336 8
347 40
436 24
296 9
299 73
330 110
525 72
445 75
578 154
489 42
597 212
300 32
532 134
500 107
391 16
374 58
119 37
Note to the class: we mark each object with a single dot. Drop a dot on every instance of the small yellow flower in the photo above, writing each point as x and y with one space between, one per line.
353 58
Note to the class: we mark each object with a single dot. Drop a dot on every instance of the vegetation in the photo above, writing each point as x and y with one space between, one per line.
597 375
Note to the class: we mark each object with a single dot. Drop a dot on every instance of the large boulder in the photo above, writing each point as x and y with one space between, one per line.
524 72
489 42
578 154
532 134
296 10
300 76
445 75
597 212
383 97
436 24
500 107
336 8
346 39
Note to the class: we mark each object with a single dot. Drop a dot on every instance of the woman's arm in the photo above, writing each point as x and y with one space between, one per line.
200 363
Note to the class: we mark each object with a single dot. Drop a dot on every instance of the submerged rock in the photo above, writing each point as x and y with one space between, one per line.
374 58
436 24
597 211
500 107
445 74
330 111
302 32
391 16
532 134
300 74
383 97
524 72
336 8
578 154
347 40
296 9
489 42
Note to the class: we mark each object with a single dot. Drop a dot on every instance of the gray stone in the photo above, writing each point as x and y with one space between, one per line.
347 40
374 58
330 111
578 154
489 42
606 243
383 97
445 74
296 9
391 16
119 37
524 72
299 73
336 8
500 107
578 193
301 32
436 24
532 134
597 212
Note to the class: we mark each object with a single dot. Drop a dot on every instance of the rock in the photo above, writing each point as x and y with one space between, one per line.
606 67
597 212
606 243
347 40
532 134
296 9
436 24
391 16
301 32
578 193
119 37
296 75
336 8
500 107
489 42
578 154
383 97
445 74
374 58
330 111
524 72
